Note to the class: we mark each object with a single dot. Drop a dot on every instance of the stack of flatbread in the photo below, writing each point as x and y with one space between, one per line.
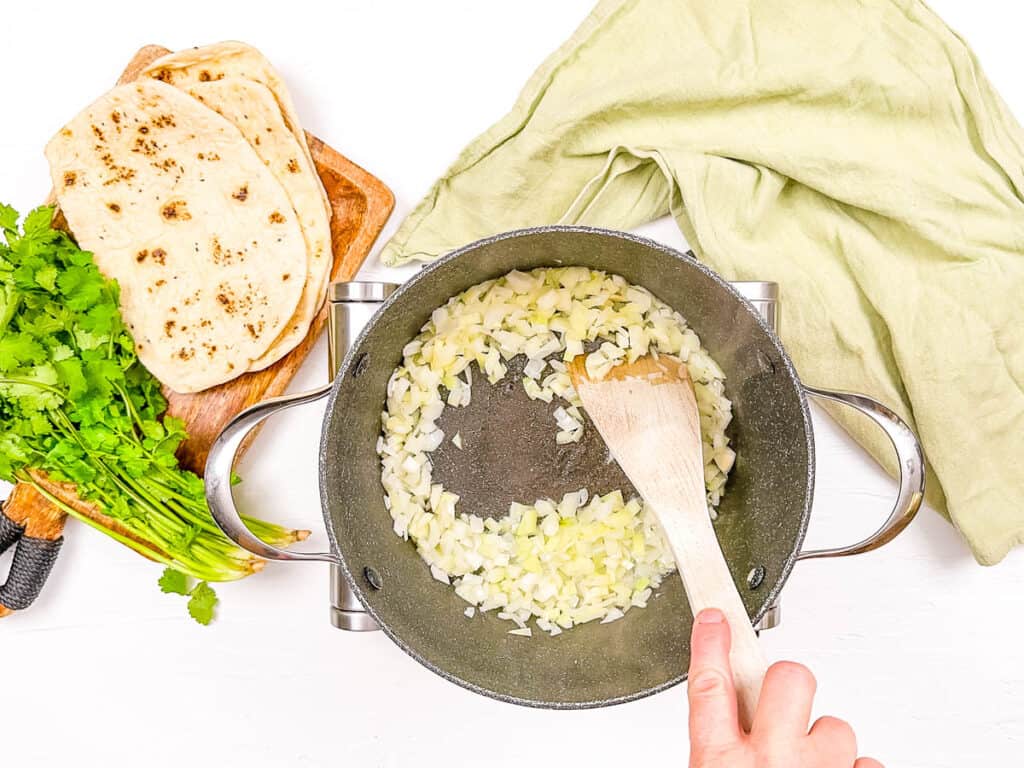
194 188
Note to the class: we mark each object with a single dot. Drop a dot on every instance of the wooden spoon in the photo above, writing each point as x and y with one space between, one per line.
647 414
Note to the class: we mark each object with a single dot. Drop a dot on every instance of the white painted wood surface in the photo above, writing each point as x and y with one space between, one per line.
915 644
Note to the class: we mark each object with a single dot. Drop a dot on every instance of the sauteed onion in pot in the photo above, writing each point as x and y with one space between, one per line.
561 562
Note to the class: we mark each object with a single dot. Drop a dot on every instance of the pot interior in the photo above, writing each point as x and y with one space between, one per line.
762 517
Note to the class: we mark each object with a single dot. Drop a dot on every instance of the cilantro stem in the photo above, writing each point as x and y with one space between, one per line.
162 528
30 383
151 553
130 407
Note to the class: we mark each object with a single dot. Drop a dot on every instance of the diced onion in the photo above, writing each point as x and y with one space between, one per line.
563 563
535 367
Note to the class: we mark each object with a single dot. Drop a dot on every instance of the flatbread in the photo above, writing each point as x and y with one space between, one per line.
231 59
177 207
252 108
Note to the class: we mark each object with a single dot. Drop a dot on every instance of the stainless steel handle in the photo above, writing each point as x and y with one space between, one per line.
911 467
351 306
219 464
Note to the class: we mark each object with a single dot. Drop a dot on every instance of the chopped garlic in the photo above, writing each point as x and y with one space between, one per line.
562 563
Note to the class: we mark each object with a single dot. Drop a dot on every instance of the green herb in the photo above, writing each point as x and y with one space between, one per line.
76 403
201 602
202 598
173 582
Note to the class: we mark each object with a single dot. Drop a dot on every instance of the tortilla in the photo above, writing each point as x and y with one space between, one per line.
178 208
251 107
232 59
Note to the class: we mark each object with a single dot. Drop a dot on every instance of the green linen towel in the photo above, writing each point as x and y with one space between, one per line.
851 150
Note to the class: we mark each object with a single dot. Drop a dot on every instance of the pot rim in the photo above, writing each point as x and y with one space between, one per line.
424 274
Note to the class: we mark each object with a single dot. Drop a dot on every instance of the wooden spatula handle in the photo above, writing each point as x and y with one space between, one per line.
748 666
709 584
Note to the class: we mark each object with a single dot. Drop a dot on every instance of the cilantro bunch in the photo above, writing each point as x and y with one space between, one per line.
76 404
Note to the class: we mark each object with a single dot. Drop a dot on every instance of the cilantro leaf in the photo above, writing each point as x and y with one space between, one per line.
38 222
154 430
8 218
71 375
173 582
201 603
47 278
16 350
80 286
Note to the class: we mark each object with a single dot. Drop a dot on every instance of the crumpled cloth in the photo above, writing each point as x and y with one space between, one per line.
851 150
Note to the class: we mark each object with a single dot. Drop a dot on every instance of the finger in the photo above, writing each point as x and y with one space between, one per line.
834 737
867 762
784 709
713 718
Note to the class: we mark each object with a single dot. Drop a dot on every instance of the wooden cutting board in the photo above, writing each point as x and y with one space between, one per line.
360 206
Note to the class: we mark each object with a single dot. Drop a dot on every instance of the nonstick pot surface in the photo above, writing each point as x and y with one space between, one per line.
510 455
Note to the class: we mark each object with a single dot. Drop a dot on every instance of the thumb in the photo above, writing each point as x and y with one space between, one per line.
714 724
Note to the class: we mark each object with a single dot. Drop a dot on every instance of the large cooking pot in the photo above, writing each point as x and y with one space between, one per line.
762 519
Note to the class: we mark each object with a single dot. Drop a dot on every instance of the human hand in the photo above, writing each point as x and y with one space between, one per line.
779 737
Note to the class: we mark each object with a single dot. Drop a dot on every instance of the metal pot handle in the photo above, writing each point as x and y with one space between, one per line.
911 466
219 464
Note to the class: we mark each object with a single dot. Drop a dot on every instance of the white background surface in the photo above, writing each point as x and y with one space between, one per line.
915 644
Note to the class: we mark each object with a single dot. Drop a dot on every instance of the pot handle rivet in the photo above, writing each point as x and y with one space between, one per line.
756 577
373 578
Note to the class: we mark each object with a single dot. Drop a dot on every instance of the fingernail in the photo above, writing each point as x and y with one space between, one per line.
710 616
